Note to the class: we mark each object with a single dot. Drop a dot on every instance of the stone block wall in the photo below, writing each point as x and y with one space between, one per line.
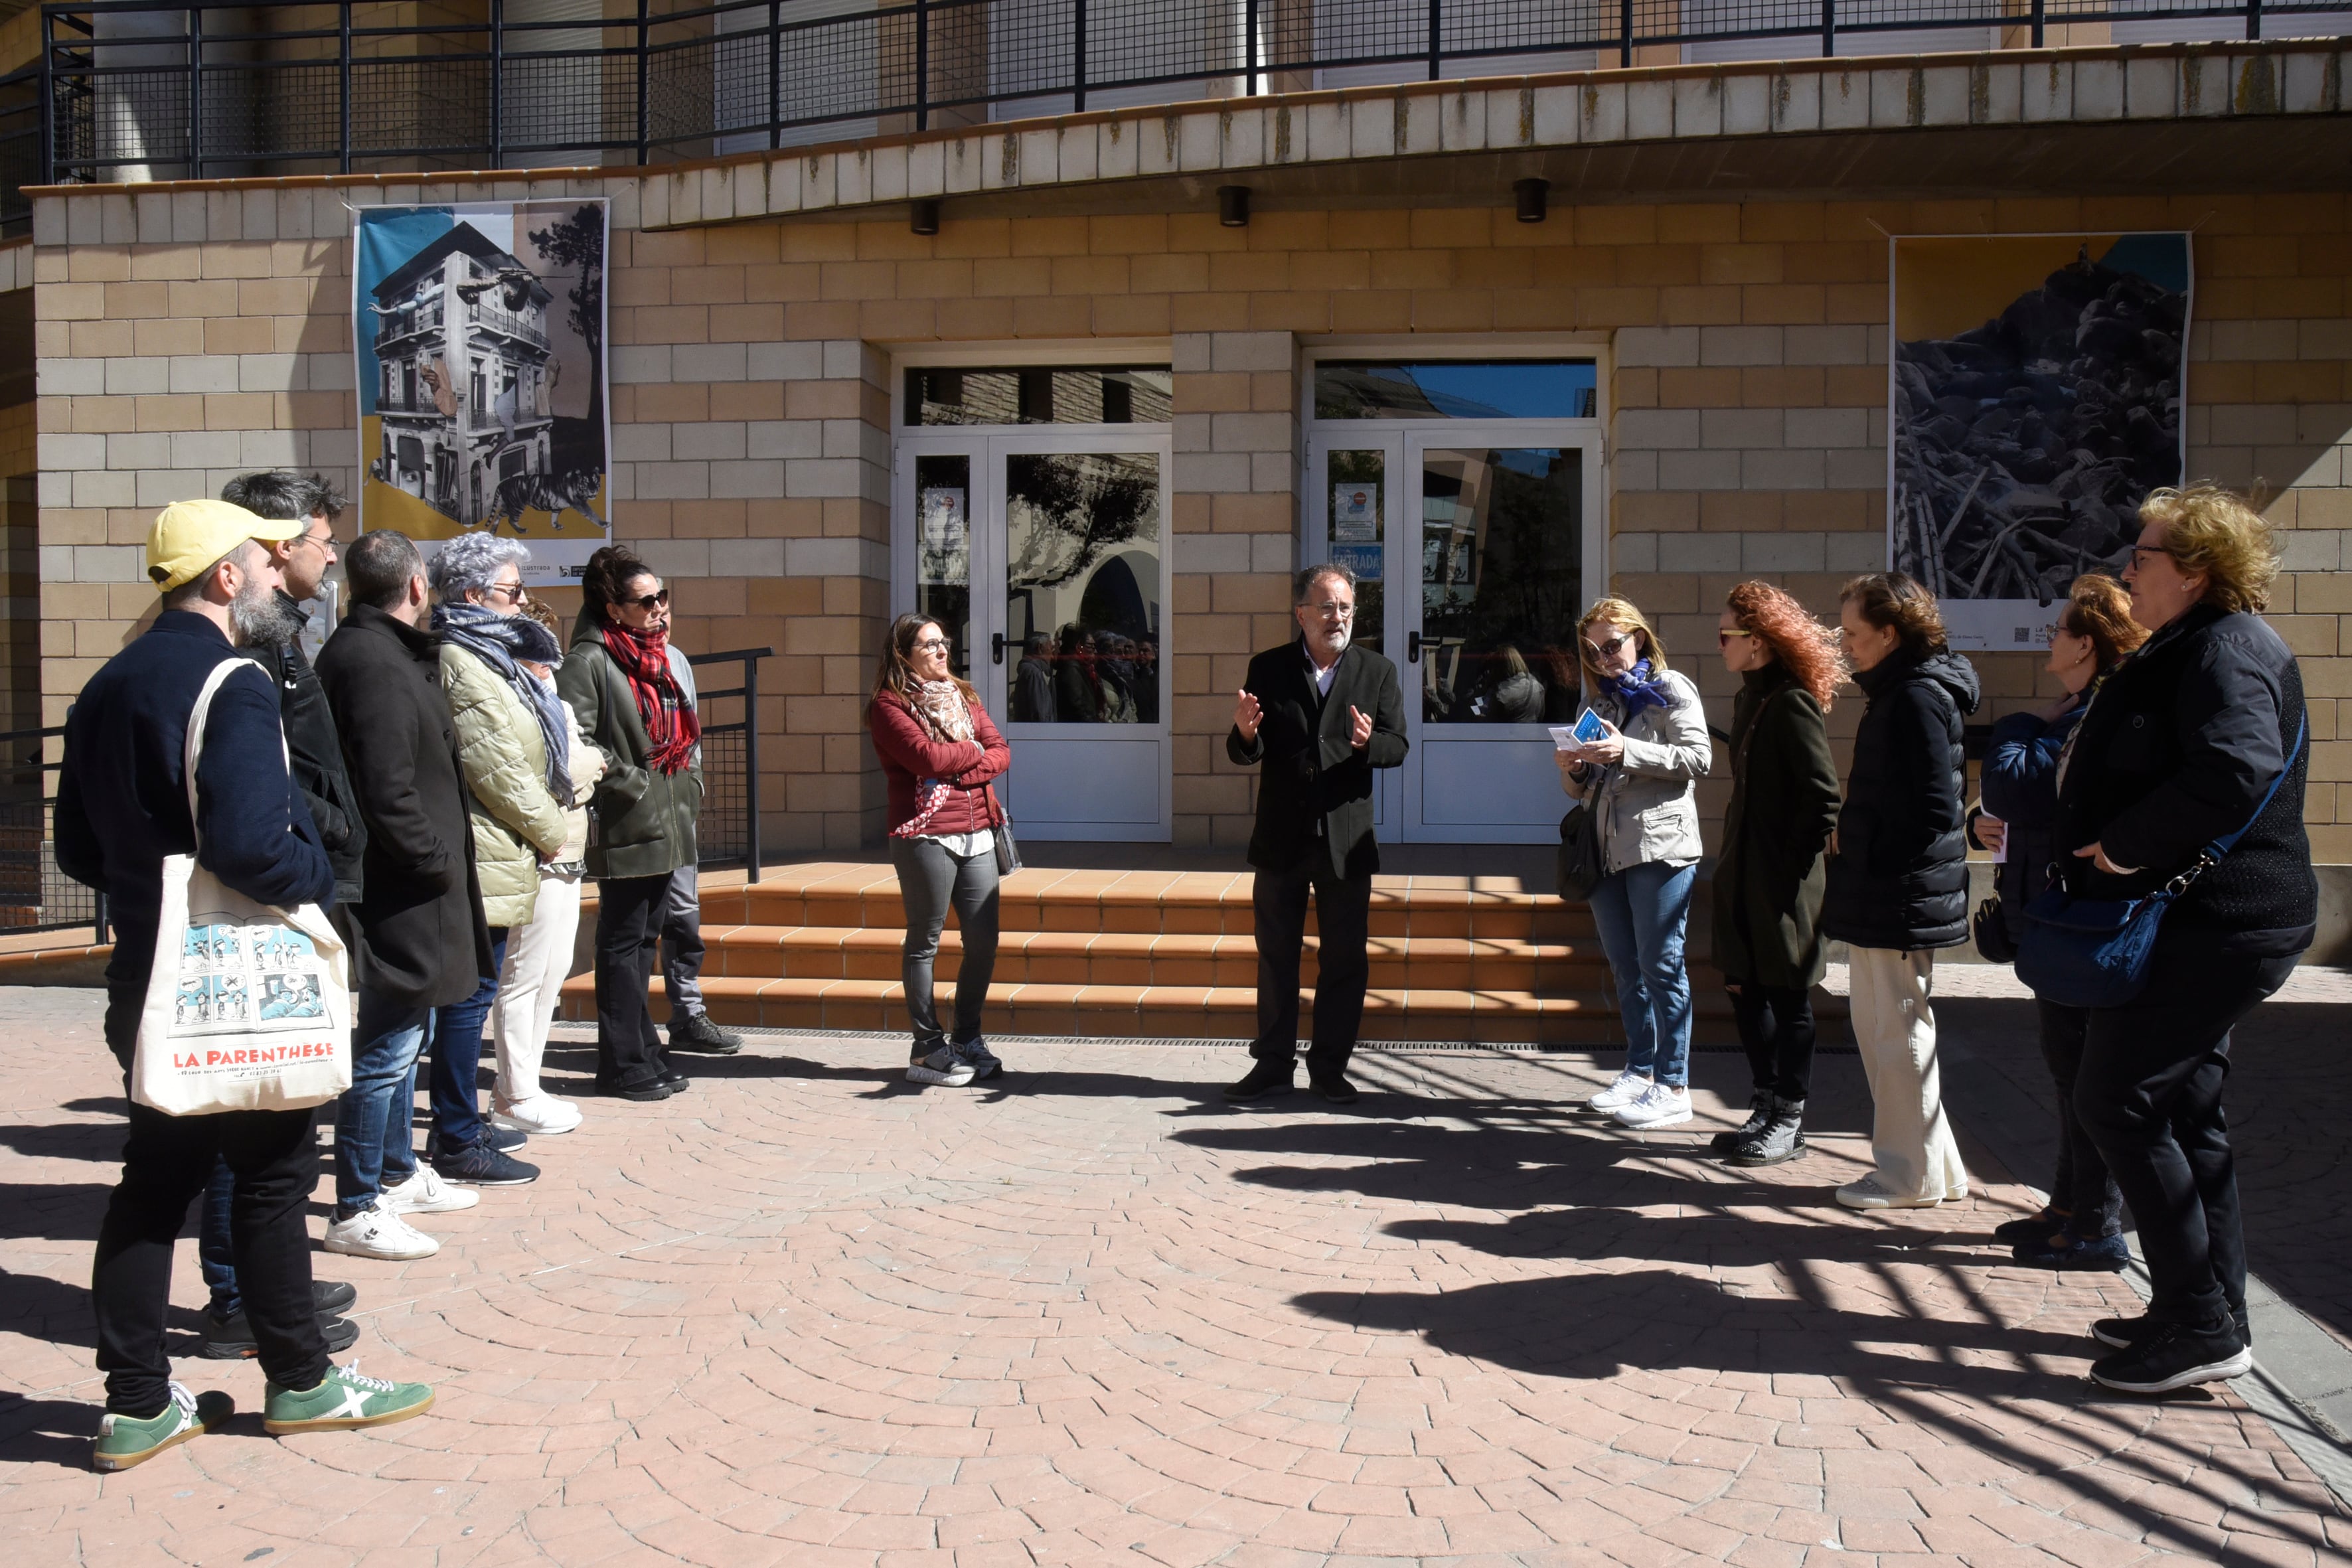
189 333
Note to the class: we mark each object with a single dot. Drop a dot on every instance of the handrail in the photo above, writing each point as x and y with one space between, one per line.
48 885
126 89
748 726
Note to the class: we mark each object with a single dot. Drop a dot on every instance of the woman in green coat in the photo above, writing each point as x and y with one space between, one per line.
1769 880
618 680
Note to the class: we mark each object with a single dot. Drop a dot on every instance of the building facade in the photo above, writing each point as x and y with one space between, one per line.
1097 416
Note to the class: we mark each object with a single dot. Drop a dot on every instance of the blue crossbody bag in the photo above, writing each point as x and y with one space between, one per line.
2094 952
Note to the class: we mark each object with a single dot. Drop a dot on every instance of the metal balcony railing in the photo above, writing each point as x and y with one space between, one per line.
129 90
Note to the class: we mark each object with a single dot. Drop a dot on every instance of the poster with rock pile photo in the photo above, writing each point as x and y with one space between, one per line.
2036 391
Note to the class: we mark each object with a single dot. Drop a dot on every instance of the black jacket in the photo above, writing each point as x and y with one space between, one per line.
318 753
2019 781
1900 878
123 793
421 942
2177 750
1315 786
1784 801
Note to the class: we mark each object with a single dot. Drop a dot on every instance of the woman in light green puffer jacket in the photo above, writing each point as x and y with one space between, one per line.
517 823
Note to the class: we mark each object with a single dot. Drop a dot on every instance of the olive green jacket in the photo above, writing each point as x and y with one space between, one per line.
517 821
643 820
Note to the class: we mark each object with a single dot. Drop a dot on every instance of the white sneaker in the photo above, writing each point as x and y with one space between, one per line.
426 1192
1628 1087
942 1067
374 1233
1870 1192
542 1116
1659 1105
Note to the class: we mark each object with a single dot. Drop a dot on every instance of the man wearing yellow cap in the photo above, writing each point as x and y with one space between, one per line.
123 806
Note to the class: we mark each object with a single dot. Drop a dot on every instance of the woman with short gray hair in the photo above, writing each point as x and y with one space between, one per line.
467 567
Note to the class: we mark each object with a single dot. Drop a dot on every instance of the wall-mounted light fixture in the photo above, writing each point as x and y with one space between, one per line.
923 215
1232 205
1530 194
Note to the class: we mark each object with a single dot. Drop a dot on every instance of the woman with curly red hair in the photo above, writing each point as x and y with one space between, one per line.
1768 878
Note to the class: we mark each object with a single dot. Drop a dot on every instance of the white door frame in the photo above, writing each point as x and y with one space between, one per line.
992 664
1405 442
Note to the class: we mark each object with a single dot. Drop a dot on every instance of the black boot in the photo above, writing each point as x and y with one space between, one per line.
1759 1111
1263 1079
1781 1138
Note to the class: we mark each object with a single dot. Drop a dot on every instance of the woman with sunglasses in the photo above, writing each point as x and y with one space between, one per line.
1898 877
1639 778
2198 736
938 752
618 680
1769 877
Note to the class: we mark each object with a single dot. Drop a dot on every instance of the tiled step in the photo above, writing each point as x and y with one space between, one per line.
1167 1012
1121 958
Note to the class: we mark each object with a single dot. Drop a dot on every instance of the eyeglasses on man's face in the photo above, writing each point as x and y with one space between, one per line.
1333 610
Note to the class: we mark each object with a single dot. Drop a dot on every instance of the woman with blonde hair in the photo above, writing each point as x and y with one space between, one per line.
1768 879
938 752
2187 768
2083 1226
1638 780
1898 887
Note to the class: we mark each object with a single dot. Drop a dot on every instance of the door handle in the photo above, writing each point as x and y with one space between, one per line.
1412 648
996 649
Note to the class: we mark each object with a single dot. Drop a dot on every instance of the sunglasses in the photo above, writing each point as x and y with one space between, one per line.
1608 649
514 594
653 601
1723 638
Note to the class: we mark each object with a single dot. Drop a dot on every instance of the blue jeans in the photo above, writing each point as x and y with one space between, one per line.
375 1140
1642 911
456 1071
216 1253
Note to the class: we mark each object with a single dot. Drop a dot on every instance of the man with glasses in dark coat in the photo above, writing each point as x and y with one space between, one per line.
1317 716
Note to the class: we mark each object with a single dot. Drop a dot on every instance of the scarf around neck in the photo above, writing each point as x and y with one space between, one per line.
671 727
502 642
941 705
1638 688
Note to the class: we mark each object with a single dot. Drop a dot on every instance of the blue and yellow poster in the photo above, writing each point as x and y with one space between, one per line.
2037 388
481 334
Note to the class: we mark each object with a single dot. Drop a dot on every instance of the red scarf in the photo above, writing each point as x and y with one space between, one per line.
670 721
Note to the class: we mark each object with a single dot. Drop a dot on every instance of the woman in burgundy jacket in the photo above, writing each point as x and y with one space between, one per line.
938 751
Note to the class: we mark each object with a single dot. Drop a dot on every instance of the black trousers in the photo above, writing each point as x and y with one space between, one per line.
628 929
167 1162
1776 1029
1343 909
2081 1185
2149 1095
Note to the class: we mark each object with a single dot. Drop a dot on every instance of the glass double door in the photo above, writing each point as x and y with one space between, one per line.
1045 558
1475 548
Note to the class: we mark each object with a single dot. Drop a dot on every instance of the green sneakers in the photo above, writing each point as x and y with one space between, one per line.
125 1440
343 1399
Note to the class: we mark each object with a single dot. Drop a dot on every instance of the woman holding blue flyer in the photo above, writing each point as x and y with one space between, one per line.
1632 758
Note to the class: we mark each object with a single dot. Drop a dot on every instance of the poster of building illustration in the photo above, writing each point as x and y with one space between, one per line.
2036 391
479 329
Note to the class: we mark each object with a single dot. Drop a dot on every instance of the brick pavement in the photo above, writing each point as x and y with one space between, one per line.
807 1315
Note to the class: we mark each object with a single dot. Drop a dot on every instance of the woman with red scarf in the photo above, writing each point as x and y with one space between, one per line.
617 679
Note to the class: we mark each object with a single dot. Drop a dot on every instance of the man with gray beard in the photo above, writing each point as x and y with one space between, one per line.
124 805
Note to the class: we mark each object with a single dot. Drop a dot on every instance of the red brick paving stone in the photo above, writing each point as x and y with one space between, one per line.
804 1315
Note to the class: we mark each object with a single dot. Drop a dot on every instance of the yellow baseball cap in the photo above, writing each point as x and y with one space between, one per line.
190 535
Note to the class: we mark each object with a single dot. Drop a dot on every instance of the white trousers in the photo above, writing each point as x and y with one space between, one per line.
1896 1030
530 983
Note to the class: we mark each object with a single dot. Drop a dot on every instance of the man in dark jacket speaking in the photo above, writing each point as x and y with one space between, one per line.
123 806
1319 714
422 941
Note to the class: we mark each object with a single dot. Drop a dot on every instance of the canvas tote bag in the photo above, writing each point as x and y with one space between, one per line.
248 1006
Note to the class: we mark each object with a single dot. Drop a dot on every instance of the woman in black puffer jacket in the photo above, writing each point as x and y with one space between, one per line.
2194 737
1898 877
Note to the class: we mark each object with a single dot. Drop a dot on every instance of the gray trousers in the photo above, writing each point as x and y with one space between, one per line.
931 879
681 941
